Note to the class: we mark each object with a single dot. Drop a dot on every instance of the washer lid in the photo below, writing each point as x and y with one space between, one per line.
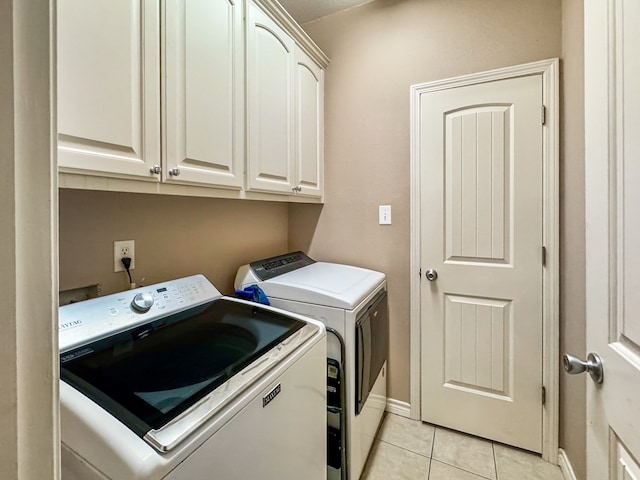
328 284
165 379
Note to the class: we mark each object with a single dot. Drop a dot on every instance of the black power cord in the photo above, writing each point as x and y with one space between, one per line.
126 261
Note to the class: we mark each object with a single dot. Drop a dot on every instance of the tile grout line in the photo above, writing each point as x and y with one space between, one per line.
433 442
495 460
475 474
379 438
436 428
402 448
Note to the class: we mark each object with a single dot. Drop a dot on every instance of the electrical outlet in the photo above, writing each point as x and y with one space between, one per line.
123 248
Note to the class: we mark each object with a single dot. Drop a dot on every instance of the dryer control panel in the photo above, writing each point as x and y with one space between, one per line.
84 322
274 266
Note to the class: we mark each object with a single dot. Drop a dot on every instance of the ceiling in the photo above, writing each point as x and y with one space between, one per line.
307 10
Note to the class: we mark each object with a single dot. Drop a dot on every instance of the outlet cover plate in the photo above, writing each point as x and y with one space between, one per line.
123 248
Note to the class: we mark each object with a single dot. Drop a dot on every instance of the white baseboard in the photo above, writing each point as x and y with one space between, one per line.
399 408
565 466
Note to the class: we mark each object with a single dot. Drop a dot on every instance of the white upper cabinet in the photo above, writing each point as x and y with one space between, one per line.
196 97
309 117
285 111
109 87
270 71
204 92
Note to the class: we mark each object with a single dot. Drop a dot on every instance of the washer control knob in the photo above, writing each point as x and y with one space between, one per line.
142 302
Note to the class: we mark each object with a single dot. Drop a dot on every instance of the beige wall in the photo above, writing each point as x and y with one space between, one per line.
377 52
175 237
572 266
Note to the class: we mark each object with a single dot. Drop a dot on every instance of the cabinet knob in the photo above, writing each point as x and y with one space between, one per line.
297 188
174 172
155 169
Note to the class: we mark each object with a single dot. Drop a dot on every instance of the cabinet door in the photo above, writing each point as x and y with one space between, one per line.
204 92
109 87
270 68
309 81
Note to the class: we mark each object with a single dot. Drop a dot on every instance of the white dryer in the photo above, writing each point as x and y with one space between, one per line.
176 382
352 303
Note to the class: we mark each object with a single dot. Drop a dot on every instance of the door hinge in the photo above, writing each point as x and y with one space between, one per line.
544 395
544 256
420 272
543 115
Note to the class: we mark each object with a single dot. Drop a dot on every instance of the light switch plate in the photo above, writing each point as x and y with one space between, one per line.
384 215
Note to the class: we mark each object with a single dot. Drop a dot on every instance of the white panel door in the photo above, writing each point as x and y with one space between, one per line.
109 87
482 194
204 92
309 82
612 155
270 69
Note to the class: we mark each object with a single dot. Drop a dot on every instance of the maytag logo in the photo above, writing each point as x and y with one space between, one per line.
271 395
74 323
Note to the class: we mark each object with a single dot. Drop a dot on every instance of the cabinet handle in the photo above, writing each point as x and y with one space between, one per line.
155 169
297 188
174 172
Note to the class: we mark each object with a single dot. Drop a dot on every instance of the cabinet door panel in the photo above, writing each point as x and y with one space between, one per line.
309 125
109 87
204 91
270 97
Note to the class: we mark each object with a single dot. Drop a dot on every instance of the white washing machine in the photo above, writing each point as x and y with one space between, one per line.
176 382
352 303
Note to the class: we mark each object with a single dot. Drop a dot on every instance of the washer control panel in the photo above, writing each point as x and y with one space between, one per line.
84 322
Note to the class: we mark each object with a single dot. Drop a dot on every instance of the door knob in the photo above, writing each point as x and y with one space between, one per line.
431 275
593 365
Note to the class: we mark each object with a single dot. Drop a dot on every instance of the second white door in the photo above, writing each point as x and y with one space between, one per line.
612 206
482 233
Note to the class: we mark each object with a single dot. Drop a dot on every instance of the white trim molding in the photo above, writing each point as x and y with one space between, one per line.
549 71
398 407
565 466
286 21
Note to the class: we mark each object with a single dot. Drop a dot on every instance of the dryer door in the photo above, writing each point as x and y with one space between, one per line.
372 346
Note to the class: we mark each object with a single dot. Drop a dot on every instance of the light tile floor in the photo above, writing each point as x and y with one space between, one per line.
410 450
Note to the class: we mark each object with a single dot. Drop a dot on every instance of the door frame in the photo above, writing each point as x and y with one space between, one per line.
549 69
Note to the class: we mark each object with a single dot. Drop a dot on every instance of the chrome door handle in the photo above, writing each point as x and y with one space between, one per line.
593 365
431 275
